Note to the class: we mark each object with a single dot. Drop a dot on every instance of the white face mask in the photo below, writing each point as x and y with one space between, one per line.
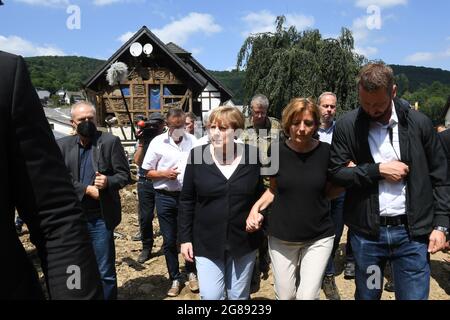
177 134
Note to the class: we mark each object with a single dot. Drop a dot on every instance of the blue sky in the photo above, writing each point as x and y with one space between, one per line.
407 32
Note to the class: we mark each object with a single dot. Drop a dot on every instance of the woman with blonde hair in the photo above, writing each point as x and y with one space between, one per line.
221 183
300 228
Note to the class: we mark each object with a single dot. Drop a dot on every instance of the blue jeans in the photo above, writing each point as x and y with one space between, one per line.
105 254
233 275
409 261
146 196
167 211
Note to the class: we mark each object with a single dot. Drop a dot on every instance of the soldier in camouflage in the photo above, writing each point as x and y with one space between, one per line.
261 131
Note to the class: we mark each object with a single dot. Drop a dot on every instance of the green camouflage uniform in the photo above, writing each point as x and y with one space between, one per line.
262 139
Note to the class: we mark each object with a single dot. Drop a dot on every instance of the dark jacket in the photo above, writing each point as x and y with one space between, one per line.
427 196
108 158
213 210
445 139
36 183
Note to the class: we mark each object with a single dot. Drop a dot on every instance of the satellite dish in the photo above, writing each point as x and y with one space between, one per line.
136 49
148 48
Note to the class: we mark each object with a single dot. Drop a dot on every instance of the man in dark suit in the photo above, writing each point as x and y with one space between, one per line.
445 139
36 183
99 169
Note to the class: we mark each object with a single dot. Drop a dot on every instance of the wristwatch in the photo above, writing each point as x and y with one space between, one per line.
441 228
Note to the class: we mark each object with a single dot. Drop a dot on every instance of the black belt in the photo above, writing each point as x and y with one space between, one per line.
393 221
168 193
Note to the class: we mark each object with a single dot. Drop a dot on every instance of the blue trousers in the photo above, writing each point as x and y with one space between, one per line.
105 254
230 276
167 211
409 260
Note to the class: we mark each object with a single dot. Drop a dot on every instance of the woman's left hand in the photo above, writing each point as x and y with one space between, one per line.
254 220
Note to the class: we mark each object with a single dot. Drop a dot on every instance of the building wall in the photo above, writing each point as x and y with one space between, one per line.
210 98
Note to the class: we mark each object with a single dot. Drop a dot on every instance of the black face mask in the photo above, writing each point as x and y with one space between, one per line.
86 129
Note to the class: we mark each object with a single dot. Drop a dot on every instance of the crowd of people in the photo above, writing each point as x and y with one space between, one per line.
252 194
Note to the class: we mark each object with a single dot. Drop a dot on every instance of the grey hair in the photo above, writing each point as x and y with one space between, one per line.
326 93
260 100
79 103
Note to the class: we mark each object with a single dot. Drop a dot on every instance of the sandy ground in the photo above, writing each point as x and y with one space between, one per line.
150 281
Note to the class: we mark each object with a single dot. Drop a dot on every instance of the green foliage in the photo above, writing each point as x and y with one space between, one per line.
232 80
288 64
431 99
54 73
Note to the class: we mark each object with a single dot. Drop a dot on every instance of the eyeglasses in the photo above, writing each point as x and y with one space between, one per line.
259 113
326 106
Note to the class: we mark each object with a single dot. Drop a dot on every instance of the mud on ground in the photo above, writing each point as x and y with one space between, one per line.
150 281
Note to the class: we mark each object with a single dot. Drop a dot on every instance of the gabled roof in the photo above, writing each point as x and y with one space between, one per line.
197 80
177 49
197 67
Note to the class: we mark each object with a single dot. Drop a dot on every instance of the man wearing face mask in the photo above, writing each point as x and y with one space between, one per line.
165 162
99 168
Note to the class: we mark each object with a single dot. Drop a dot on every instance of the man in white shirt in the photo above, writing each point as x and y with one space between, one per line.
165 162
397 201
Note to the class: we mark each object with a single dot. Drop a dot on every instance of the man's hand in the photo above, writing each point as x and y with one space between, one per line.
92 191
394 171
172 173
101 181
187 251
437 241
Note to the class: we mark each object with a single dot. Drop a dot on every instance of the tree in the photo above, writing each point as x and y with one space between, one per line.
402 83
288 64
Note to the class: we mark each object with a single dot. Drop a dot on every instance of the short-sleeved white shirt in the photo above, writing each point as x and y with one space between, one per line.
163 153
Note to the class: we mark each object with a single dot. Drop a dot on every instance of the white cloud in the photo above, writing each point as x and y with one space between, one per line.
47 3
448 39
368 52
428 56
196 51
105 2
359 29
179 31
18 45
420 57
380 3
125 37
363 36
264 21
300 21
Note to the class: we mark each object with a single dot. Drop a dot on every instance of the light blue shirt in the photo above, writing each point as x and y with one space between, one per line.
326 135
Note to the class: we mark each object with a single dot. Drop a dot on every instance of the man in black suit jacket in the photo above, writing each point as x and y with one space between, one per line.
445 139
36 183
99 169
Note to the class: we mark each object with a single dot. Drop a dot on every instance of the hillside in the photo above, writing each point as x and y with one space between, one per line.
69 72
420 76
54 73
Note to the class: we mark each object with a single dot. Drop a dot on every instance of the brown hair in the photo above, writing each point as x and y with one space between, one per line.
230 115
374 76
296 106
